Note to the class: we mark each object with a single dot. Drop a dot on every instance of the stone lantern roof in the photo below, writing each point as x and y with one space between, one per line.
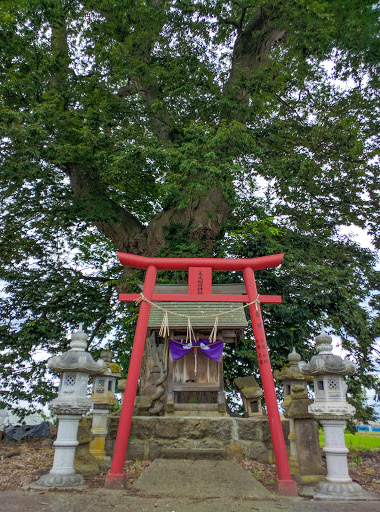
76 359
111 369
325 362
291 372
296 398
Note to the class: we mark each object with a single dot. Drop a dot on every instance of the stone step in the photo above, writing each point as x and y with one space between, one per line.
196 413
199 410
194 454
195 407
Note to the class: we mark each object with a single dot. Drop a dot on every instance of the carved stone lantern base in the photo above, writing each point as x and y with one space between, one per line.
349 491
62 474
51 480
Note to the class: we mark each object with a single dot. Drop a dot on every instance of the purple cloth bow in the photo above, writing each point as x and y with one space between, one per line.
179 348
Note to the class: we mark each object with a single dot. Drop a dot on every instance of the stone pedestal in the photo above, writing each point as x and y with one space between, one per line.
62 473
309 459
335 450
338 484
293 456
84 462
103 397
99 430
196 437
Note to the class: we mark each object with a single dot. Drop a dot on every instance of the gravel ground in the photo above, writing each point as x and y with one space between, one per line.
24 462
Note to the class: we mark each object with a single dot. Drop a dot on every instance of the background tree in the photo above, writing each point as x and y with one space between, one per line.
180 128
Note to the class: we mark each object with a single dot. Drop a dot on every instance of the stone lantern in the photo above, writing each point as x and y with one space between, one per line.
103 398
304 457
332 411
290 377
75 366
251 394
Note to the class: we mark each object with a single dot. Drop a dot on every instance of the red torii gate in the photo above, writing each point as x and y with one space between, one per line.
200 290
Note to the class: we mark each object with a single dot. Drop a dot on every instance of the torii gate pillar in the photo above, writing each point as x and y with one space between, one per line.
200 290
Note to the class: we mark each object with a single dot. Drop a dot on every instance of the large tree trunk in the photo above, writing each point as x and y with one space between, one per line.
203 219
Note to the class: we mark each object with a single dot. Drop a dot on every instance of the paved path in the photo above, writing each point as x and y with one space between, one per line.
201 479
177 486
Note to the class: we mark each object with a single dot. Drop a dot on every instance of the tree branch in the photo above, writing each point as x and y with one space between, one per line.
101 320
60 50
251 47
229 21
150 94
289 107
127 90
110 218
97 279
241 4
149 89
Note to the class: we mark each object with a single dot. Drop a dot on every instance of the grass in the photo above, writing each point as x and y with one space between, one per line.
362 441
137 467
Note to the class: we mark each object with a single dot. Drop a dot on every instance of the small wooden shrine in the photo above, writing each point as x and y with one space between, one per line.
182 367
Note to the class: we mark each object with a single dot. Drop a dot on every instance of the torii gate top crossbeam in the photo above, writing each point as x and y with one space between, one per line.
200 276
135 261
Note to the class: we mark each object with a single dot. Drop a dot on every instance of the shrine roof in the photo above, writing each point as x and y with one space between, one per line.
233 319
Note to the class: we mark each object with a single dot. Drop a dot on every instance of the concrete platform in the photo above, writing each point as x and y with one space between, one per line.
201 479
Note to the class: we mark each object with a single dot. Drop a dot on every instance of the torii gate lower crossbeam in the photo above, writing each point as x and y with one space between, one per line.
200 290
